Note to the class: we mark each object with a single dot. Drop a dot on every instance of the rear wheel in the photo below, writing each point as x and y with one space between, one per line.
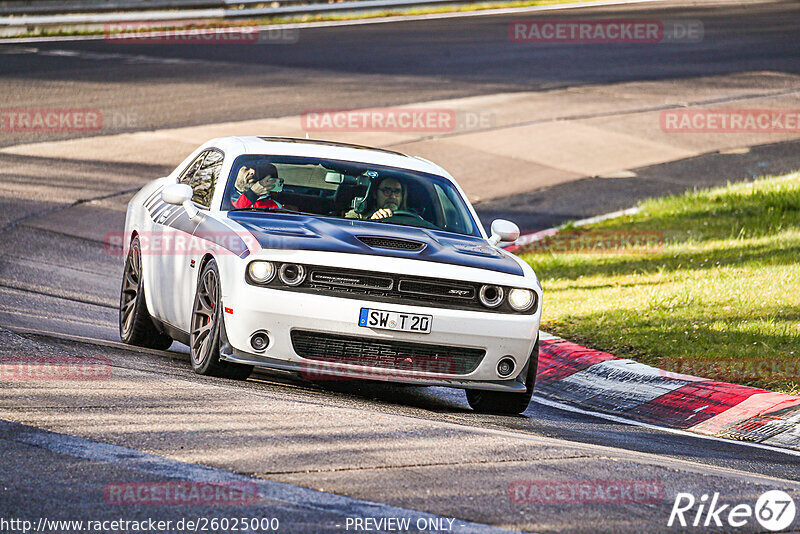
206 328
135 324
502 402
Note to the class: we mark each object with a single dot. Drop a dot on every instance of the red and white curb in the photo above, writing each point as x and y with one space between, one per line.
601 383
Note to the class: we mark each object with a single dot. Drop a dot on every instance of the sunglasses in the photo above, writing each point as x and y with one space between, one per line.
388 191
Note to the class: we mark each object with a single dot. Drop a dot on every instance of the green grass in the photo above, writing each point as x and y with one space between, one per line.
719 298
322 17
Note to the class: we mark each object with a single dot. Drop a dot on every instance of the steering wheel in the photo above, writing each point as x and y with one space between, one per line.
406 213
410 218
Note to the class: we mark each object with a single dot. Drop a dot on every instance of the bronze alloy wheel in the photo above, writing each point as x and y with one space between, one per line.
204 318
136 327
204 339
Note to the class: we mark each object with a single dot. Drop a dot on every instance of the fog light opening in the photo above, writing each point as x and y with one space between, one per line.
259 341
505 367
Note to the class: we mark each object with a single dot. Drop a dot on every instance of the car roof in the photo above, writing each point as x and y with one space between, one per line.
317 148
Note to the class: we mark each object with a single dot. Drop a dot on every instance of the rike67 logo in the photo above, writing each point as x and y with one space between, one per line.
774 510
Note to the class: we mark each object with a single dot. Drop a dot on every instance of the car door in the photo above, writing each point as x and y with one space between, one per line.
172 231
203 182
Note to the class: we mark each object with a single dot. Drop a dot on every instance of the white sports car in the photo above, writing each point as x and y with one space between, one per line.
335 261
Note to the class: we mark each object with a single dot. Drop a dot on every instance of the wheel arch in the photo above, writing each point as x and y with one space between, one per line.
205 259
126 245
208 256
146 282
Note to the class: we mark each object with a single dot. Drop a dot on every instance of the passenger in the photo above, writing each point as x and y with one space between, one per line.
253 185
385 197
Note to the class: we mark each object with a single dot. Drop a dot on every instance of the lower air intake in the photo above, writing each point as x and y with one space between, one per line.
387 354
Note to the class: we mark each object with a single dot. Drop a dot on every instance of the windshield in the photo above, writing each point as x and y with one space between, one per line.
347 190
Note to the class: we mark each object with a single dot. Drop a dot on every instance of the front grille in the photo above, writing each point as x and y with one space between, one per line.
392 288
400 288
436 289
354 281
386 354
392 243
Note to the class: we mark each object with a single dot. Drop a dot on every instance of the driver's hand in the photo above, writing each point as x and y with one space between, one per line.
244 178
264 186
382 213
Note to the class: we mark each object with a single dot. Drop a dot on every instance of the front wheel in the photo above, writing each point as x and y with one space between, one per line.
501 402
205 334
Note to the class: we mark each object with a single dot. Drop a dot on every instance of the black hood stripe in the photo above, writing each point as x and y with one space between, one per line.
301 232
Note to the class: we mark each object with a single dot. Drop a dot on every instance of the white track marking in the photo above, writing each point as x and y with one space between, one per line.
127 58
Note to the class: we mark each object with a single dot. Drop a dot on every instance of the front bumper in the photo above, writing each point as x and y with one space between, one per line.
250 309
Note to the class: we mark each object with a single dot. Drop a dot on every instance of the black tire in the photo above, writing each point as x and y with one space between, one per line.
205 329
501 402
136 327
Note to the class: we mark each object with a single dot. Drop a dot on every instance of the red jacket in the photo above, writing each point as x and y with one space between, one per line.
248 199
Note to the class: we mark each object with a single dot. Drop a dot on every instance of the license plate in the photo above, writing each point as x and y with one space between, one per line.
402 322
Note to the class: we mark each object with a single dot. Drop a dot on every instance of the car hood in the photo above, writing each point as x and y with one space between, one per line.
302 232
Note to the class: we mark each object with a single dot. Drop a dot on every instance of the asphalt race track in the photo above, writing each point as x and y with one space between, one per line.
384 64
405 448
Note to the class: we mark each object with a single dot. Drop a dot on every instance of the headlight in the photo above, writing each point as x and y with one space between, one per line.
292 274
261 271
491 296
521 299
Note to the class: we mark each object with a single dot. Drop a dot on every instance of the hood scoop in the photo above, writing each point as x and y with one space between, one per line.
391 243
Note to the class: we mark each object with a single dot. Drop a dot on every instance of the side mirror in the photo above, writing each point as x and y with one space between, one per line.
503 231
180 195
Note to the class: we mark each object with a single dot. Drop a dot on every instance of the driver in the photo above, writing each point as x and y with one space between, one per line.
253 185
386 196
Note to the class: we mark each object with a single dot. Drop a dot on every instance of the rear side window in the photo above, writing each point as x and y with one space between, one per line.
202 175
